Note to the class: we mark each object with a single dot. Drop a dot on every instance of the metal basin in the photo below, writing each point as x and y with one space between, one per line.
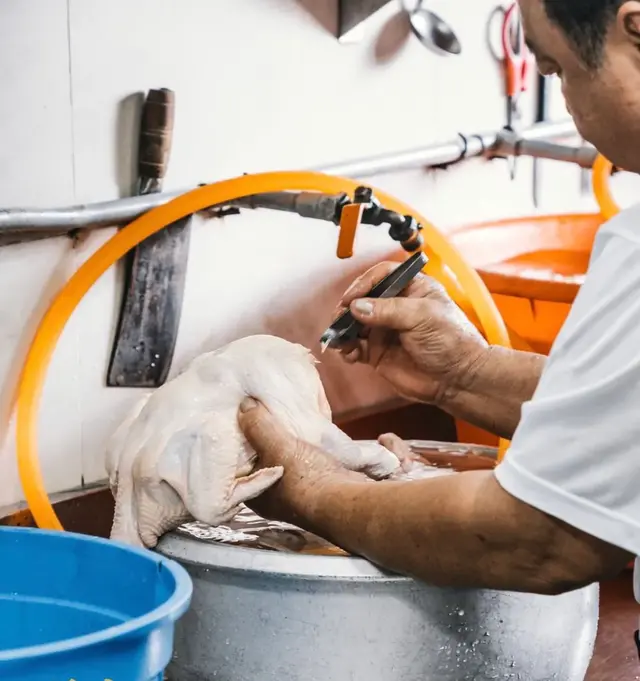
262 615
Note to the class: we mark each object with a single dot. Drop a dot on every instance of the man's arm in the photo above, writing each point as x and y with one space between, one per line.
574 457
459 530
491 394
562 509
454 530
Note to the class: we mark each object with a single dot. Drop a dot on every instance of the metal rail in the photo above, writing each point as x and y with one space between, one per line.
536 141
489 144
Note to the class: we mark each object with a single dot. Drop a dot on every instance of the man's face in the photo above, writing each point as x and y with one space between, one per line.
605 102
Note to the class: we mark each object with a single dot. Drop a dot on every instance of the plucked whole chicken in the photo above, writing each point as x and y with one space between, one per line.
180 455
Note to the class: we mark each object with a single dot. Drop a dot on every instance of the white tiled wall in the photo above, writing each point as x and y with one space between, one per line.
260 85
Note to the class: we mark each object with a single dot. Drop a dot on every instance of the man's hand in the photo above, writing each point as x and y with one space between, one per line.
421 342
425 346
306 468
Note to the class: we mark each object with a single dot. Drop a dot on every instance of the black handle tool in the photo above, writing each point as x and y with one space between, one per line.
346 328
155 270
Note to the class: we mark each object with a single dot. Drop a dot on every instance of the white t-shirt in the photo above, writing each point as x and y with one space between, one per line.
576 452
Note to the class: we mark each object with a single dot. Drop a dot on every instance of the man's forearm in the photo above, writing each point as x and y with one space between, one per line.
492 394
461 530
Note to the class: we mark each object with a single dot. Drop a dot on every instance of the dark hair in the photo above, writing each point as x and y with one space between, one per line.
586 23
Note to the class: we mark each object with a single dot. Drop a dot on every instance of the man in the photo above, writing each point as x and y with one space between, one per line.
563 509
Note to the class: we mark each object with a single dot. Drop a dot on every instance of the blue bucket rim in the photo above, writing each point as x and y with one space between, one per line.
173 608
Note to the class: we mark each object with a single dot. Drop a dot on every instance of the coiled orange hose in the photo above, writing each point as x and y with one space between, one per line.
35 367
601 187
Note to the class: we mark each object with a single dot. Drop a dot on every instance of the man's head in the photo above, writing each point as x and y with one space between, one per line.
594 47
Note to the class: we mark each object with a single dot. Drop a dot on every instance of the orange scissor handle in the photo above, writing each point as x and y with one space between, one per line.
512 78
601 175
350 218
516 57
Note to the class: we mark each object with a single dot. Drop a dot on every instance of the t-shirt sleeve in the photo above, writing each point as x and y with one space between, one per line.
576 452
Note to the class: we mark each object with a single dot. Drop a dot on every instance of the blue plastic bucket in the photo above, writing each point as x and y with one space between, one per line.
74 607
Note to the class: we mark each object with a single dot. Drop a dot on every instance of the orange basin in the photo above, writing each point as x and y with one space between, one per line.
533 267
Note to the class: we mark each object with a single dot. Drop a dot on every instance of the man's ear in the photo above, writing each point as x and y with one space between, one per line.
628 22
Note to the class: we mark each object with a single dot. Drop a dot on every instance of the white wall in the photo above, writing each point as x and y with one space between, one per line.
260 85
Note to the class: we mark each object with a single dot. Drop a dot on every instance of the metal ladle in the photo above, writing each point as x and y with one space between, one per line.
432 30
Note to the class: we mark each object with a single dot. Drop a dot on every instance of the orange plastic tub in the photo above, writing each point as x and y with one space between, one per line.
533 267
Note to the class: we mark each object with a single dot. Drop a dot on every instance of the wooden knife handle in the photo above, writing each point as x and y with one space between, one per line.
156 133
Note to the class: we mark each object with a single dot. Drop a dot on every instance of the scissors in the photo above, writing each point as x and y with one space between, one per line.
516 61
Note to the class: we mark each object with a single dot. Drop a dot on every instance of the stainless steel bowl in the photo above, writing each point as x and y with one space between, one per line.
260 615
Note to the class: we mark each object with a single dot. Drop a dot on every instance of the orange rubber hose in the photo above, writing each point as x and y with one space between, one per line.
600 182
64 304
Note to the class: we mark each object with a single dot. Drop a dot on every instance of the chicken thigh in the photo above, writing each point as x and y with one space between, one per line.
180 455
